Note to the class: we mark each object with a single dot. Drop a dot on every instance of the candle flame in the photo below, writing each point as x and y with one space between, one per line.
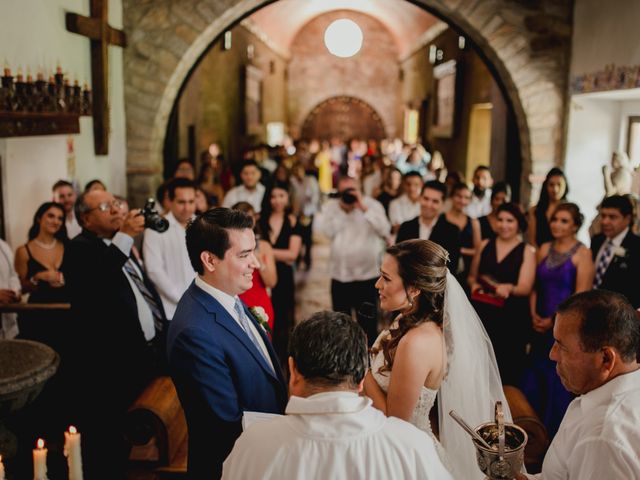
40 443
73 430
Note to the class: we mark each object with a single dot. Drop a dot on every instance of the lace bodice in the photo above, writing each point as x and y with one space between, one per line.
420 417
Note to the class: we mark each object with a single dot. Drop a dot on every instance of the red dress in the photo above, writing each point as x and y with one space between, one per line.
257 296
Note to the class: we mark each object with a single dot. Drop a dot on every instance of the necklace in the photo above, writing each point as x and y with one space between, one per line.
45 246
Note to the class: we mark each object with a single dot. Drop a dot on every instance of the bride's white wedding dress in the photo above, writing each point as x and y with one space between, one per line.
471 385
427 399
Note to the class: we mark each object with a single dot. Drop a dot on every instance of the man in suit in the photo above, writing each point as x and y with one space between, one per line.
431 225
117 327
616 251
220 358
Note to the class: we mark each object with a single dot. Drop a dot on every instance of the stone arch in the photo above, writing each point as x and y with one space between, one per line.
526 44
338 116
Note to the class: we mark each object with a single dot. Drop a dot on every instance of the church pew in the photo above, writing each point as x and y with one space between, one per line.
526 418
156 428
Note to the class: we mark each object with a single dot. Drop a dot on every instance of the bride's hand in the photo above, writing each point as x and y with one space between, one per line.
375 393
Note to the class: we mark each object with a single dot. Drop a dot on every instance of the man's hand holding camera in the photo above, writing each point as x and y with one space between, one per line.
350 199
133 223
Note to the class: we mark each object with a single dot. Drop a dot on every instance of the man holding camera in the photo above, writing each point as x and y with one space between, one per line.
358 227
118 327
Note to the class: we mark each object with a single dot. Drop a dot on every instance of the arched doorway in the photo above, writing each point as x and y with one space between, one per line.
168 38
343 117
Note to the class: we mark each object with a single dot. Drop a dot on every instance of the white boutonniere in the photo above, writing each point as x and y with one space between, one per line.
262 317
620 251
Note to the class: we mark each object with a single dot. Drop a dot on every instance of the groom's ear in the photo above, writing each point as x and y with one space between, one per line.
295 378
209 261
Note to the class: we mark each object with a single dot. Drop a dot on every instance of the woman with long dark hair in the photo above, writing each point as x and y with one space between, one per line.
553 192
279 227
39 263
436 346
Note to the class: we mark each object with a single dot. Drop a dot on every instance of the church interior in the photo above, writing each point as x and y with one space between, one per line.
131 92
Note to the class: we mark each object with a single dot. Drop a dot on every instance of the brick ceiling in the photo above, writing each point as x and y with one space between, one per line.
282 20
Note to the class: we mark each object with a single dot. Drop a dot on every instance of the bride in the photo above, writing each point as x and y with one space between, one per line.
435 346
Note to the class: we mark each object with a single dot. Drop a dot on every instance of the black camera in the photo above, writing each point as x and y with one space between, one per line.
348 196
152 219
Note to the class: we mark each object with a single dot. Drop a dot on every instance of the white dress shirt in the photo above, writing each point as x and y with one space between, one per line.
337 436
479 207
243 194
426 229
371 182
167 262
228 303
402 209
357 239
73 227
599 437
9 280
617 241
124 243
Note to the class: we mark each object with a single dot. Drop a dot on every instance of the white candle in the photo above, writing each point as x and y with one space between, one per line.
40 461
1 469
73 453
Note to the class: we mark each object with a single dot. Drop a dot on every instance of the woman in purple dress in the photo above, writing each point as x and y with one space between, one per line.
564 267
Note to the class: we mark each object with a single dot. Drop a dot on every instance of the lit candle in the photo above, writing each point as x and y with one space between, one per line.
1 469
73 453
40 461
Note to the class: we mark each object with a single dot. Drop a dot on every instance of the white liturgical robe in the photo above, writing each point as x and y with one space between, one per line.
599 437
337 436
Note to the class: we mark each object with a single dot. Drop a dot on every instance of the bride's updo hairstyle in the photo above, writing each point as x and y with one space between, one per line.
422 264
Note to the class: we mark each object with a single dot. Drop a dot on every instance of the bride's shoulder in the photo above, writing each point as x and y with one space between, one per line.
426 336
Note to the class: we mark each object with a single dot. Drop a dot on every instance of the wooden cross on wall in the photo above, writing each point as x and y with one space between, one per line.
97 28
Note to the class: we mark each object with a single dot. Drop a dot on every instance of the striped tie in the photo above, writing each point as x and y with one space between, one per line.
156 311
244 321
601 268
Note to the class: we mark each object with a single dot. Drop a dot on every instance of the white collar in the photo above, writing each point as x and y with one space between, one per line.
603 394
617 240
427 225
326 403
226 300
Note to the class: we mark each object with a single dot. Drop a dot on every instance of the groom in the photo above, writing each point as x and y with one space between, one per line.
219 356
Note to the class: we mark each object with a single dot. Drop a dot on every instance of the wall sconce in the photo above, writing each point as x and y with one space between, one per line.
226 42
462 42
433 51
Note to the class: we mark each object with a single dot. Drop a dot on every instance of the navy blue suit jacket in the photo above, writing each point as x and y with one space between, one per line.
218 374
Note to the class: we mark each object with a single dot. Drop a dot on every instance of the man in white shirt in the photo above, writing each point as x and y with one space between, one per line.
480 204
329 431
407 205
9 291
165 254
250 191
597 342
357 227
65 194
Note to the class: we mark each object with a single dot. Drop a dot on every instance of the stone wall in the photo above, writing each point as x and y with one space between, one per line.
526 44
213 97
316 75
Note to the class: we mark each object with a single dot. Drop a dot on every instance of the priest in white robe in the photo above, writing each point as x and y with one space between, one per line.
329 431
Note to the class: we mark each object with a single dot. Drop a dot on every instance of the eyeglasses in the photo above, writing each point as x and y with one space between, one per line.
107 206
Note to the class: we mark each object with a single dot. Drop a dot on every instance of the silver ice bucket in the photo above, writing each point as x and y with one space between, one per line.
506 457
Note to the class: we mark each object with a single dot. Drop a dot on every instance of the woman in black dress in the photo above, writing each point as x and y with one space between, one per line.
39 262
505 266
500 193
280 228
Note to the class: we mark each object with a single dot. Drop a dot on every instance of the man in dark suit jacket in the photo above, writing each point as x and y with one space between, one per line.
114 328
431 225
220 358
616 251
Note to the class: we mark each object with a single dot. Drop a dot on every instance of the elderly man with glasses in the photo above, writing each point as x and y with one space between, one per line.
119 327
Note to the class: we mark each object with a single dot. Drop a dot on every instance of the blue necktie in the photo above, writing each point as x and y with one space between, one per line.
245 323
601 268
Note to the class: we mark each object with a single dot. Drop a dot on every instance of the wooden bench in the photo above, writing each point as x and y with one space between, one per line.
526 418
156 428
